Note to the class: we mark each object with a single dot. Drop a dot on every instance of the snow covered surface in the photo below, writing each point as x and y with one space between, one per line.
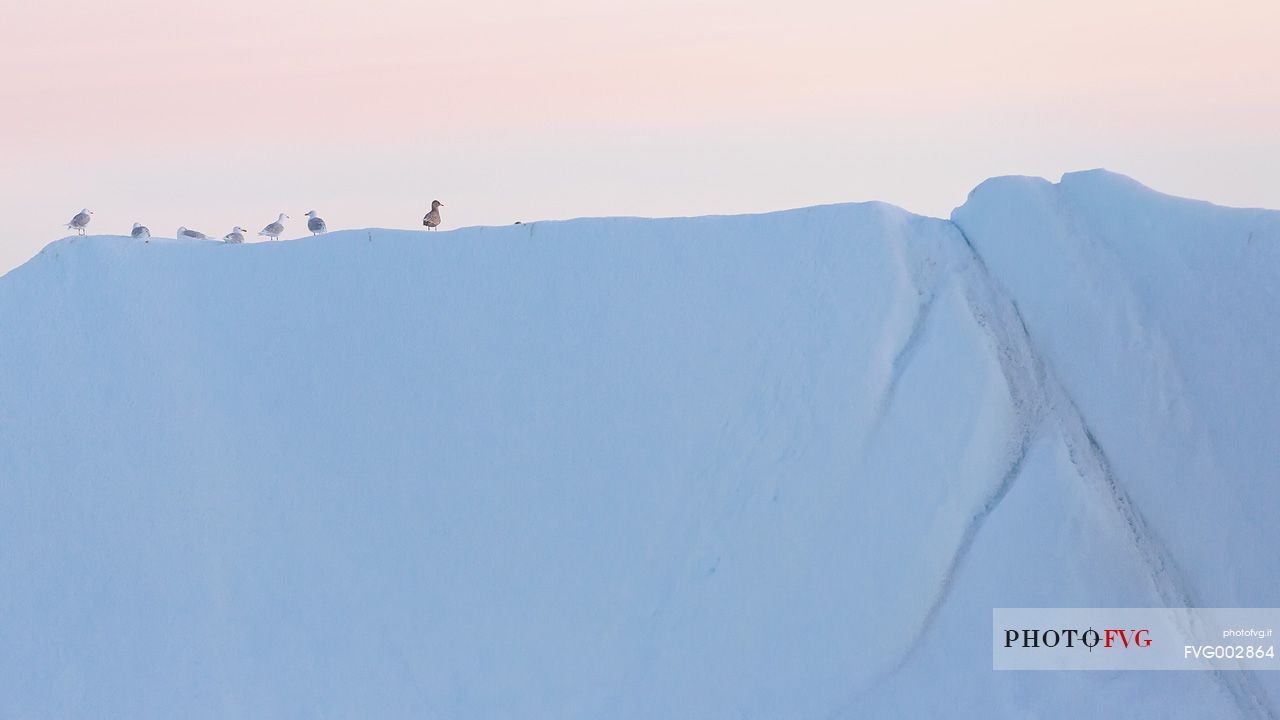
771 466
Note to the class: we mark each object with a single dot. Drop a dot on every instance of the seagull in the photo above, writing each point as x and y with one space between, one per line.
432 219
185 234
315 224
274 229
79 221
140 231
235 237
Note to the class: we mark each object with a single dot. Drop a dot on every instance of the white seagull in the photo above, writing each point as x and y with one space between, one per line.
140 231
80 220
185 234
315 223
274 229
432 219
235 237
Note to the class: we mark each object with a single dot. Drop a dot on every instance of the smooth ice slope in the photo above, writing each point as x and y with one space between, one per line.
758 466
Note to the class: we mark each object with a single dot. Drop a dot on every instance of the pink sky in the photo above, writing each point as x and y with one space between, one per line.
227 113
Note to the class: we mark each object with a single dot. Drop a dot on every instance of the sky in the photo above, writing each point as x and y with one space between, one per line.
211 115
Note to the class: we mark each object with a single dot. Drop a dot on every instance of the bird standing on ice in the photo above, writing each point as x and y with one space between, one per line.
432 219
274 229
185 234
80 220
315 223
140 231
235 237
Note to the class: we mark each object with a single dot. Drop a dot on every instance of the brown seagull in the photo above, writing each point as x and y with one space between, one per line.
432 219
